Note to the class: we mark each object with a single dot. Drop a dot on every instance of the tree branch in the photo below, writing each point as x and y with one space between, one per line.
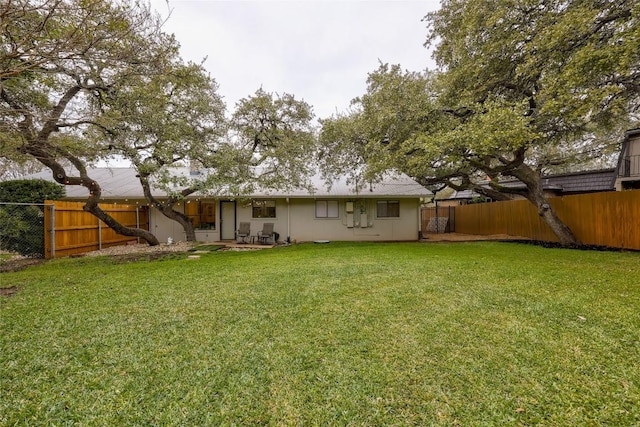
50 125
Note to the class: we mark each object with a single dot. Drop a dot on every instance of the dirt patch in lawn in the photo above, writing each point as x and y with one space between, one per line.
18 263
8 292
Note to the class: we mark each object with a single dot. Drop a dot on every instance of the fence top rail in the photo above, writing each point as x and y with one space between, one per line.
26 204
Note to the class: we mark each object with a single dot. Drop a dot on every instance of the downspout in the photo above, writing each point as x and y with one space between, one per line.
288 221
138 220
419 220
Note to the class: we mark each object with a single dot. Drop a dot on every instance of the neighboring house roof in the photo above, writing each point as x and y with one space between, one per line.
566 183
462 195
122 183
583 182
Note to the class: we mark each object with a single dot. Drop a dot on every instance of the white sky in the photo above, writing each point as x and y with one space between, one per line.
318 50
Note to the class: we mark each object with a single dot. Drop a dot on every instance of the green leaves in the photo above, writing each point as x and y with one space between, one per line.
523 86
276 135
576 62
61 61
30 191
515 77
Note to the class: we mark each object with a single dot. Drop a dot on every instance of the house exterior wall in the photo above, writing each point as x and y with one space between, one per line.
163 227
296 219
634 145
306 227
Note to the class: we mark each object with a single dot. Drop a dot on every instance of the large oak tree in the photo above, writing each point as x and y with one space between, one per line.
83 81
522 85
60 63
162 121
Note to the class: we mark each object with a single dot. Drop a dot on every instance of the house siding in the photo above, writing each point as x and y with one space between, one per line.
163 227
304 226
629 162
297 220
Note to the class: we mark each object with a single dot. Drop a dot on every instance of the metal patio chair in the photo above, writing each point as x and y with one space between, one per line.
267 236
243 235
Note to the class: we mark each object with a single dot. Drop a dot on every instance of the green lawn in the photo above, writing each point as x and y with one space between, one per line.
339 334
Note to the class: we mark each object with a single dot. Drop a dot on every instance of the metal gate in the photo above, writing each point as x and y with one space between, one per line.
438 220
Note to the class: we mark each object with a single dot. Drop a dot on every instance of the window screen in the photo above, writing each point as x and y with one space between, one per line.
326 209
388 209
263 208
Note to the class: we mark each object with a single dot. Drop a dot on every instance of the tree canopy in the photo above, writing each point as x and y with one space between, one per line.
30 191
87 80
60 61
522 86
276 136
164 120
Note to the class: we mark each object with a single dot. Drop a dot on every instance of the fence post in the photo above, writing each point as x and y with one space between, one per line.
451 224
53 231
99 234
138 220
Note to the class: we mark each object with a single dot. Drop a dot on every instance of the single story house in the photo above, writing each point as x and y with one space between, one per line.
385 211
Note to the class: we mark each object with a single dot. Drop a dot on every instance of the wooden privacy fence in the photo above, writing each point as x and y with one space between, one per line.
604 219
70 230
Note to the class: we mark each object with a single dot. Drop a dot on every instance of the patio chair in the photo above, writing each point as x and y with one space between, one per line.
243 235
267 235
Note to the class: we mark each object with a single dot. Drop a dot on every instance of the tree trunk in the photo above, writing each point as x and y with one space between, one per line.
91 206
168 211
166 207
535 194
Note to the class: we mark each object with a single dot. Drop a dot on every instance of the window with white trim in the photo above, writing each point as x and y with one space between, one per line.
263 208
388 209
327 209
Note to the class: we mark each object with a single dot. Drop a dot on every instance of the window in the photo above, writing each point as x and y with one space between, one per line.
326 209
388 209
202 214
263 208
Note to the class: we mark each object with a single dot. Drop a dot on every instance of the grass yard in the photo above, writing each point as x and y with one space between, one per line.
462 334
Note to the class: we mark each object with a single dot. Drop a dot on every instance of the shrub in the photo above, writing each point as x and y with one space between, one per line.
30 191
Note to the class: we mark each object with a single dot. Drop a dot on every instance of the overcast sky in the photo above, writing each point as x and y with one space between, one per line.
317 50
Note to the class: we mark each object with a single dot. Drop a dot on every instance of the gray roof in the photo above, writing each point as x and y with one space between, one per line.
116 183
583 182
122 183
